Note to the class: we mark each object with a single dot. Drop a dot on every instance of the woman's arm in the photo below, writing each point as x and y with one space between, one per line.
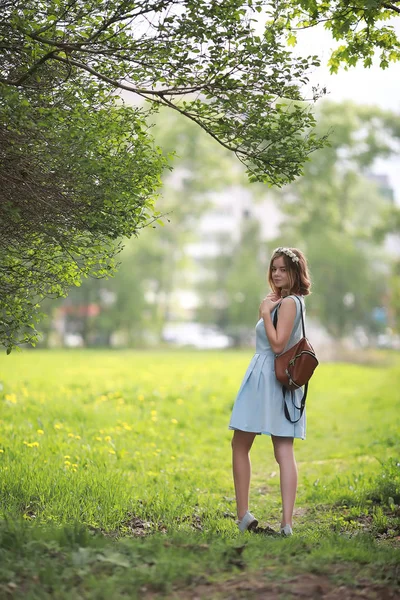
279 337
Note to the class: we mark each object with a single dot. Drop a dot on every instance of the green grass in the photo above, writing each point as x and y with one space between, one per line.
97 447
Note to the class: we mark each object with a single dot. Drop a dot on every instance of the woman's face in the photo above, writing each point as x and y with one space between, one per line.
279 273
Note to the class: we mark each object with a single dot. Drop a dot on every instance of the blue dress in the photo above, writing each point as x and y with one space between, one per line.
259 403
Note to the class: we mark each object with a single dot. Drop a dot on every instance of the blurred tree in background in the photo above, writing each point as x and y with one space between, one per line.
337 213
394 283
335 210
236 280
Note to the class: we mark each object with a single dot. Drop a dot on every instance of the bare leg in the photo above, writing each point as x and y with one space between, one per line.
242 442
284 454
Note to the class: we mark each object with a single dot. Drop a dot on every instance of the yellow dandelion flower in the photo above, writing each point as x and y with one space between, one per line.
174 421
141 397
77 437
172 457
73 470
1 450
111 451
179 401
34 444
107 438
67 463
40 431
26 443
99 439
67 456
71 435
11 398
74 465
58 426
153 413
127 427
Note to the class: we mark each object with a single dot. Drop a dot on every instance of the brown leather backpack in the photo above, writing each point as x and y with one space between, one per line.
294 367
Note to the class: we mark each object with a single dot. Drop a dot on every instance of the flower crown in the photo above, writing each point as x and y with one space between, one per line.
289 253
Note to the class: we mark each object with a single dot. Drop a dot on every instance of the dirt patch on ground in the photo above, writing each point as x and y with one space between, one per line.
385 531
310 586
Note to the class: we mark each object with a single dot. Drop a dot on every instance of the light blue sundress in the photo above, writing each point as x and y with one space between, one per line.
259 404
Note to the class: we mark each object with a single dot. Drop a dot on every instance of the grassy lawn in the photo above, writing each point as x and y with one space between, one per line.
116 480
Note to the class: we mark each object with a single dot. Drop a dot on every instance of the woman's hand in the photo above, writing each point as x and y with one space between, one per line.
273 296
268 304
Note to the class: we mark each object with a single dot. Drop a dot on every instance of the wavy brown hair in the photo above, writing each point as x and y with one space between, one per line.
298 275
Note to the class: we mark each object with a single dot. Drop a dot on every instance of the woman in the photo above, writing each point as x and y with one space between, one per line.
259 406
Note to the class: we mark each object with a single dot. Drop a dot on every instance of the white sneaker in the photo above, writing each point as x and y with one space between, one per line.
286 530
248 522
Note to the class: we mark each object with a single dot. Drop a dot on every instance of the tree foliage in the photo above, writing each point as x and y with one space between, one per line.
200 58
78 173
73 181
362 26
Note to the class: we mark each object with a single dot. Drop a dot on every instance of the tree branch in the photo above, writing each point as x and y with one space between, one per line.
187 114
123 86
391 7
33 68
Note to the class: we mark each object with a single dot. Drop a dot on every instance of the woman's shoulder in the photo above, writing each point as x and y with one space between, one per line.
296 302
293 298
289 304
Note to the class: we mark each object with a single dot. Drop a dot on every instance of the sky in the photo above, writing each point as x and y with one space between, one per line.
373 86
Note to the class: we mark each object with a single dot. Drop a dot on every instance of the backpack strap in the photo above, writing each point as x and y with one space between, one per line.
275 320
284 390
300 408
